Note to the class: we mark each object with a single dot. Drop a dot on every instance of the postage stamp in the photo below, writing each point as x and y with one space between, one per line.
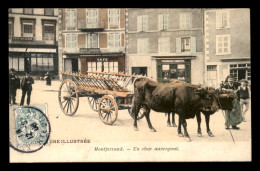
32 129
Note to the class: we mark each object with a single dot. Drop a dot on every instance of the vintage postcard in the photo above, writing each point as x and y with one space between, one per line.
129 85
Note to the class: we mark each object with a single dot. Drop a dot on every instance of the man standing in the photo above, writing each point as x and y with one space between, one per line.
244 96
26 86
233 117
14 84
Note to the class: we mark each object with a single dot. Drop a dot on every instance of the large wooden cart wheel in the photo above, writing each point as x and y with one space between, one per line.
140 114
68 97
93 103
107 110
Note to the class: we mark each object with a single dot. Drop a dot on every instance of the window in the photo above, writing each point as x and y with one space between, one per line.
114 41
185 20
139 70
113 17
48 31
164 44
222 44
28 30
163 22
142 23
110 65
92 18
42 62
10 29
28 10
71 41
16 62
186 44
92 40
222 19
70 19
49 11
142 46
212 75
173 71
240 71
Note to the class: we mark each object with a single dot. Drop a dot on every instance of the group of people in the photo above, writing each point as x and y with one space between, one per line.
237 115
25 85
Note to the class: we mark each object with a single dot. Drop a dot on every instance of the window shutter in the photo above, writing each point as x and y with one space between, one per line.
160 21
218 19
168 45
139 23
178 45
166 21
145 19
118 41
228 25
193 44
95 40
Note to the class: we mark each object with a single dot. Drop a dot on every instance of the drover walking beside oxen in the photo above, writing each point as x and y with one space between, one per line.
14 84
233 117
243 93
26 86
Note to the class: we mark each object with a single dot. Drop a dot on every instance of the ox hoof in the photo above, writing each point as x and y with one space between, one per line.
136 129
180 135
174 125
169 125
153 130
210 134
188 139
199 134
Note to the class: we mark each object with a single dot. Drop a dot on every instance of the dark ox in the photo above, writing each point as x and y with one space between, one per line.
224 99
184 99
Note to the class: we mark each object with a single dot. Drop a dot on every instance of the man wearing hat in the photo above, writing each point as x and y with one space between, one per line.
233 117
26 86
243 93
14 84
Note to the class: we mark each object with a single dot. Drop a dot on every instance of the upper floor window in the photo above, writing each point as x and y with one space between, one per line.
143 46
114 41
164 44
28 10
92 40
113 17
71 19
92 18
142 22
10 28
222 19
163 22
49 11
186 44
222 44
185 20
71 41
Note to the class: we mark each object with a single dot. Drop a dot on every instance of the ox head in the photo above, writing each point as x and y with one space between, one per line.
208 99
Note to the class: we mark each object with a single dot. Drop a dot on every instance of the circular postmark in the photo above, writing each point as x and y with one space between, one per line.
32 129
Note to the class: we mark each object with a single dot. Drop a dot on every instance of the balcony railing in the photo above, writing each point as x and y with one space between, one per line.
84 26
32 40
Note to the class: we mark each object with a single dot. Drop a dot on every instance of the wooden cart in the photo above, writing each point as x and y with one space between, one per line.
107 93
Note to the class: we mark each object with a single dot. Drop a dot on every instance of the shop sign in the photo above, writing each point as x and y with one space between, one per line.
174 60
90 50
23 38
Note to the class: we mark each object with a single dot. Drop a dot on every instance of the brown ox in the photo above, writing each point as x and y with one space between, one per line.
184 99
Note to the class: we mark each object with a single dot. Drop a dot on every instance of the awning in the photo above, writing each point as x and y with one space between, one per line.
44 50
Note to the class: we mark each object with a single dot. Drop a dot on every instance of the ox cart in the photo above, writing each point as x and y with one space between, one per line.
106 93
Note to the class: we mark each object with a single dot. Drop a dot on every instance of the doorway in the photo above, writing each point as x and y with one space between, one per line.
75 65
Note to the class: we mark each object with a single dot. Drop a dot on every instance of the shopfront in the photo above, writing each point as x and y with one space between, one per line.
37 61
173 68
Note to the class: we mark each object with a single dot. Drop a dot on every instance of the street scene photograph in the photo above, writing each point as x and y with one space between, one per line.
129 84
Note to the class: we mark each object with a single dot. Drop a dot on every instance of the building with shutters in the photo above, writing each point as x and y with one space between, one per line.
33 35
227 45
92 40
165 44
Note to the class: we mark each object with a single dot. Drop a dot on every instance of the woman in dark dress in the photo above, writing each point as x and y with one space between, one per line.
48 79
